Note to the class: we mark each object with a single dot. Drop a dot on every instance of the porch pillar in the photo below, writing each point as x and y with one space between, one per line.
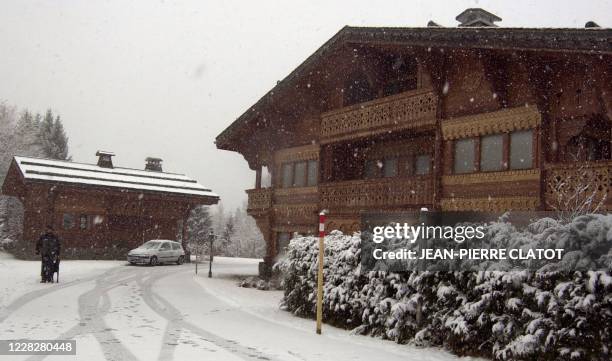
184 234
258 177
437 167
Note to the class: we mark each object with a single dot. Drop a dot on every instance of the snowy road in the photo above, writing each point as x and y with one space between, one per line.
120 312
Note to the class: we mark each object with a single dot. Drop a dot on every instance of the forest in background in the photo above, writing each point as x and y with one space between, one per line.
236 233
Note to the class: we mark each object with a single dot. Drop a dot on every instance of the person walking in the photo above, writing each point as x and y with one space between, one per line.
48 246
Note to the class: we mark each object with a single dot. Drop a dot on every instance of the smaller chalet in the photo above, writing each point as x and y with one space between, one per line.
98 210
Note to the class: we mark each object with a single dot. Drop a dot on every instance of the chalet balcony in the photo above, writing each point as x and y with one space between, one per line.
407 110
579 186
378 193
259 200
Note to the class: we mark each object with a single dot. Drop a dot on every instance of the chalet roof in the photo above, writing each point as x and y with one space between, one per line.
575 40
48 170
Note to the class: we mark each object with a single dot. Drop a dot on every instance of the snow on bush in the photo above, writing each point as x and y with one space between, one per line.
553 314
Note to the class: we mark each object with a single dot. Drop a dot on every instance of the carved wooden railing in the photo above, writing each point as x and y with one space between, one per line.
259 199
580 186
410 109
378 193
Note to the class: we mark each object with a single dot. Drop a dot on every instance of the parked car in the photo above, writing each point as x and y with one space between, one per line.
156 252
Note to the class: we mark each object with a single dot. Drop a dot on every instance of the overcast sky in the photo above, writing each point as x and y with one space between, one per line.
163 78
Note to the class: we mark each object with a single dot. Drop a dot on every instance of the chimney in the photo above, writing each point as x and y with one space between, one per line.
105 159
153 164
475 17
591 24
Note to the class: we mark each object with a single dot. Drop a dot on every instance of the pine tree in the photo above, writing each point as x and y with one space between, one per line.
226 237
60 140
198 225
27 132
52 137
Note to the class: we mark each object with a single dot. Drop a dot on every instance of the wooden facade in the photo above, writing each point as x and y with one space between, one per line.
100 211
445 118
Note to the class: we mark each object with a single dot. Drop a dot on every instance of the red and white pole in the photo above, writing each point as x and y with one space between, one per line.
320 273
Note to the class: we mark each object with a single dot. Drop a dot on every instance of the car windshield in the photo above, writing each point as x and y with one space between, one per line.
151 245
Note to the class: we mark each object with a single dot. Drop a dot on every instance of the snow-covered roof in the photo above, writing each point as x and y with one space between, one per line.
127 178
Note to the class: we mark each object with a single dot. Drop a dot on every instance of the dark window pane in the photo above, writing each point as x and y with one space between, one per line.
464 156
68 221
372 169
422 164
521 149
313 172
400 74
492 152
300 174
390 167
287 175
357 89
83 222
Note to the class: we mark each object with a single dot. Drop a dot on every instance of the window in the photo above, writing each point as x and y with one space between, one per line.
313 172
165 246
68 221
97 220
521 149
401 74
390 167
372 169
287 174
176 246
492 153
357 89
266 177
299 176
83 222
464 156
422 164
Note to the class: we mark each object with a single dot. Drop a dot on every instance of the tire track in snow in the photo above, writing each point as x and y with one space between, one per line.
176 321
34 295
93 306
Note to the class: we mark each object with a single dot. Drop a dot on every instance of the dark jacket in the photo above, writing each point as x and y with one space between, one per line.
48 244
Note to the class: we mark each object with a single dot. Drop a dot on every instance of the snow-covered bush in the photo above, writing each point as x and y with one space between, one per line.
553 314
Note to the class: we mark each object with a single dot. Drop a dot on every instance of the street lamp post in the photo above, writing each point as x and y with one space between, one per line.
211 239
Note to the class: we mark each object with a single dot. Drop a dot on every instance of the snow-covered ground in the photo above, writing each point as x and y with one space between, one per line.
121 312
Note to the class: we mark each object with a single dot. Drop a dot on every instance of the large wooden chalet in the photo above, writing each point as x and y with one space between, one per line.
476 117
99 210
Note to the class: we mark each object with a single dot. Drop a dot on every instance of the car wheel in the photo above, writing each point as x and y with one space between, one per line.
180 260
153 261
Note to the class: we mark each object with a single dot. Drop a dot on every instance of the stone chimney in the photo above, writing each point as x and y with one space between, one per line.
153 164
105 159
477 17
